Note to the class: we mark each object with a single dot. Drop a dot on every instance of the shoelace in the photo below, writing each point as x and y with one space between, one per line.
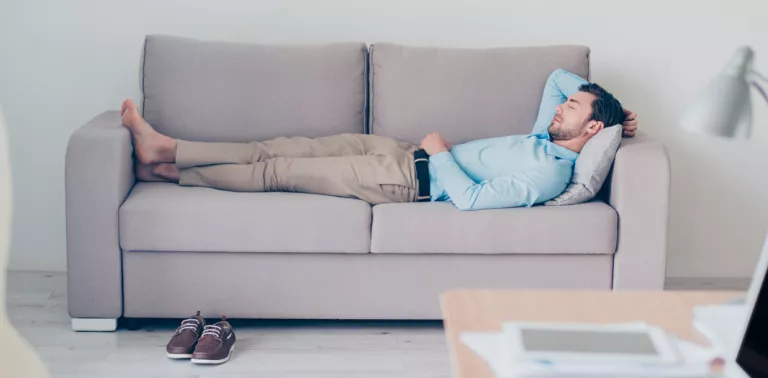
190 324
212 330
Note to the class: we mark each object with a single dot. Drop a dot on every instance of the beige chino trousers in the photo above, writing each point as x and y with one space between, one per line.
372 168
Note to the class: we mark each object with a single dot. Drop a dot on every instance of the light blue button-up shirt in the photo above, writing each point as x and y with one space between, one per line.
510 171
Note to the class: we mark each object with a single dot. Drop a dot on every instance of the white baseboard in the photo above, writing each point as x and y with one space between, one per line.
707 283
35 269
671 283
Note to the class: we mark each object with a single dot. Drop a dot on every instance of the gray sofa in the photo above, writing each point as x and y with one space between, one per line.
138 250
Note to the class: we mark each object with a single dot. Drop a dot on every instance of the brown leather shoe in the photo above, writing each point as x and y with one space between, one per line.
216 344
183 342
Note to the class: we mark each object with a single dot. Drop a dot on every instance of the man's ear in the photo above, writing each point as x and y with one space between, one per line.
594 127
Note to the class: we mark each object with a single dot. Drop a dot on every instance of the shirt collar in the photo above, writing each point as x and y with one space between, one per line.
556 150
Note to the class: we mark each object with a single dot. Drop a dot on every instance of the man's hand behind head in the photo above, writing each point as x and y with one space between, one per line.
629 127
433 144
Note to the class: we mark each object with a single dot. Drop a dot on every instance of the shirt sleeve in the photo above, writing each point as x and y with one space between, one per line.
559 86
523 189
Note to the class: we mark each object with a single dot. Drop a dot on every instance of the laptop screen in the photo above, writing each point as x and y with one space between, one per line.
753 353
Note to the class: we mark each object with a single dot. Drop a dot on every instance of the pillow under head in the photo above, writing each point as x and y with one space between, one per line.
591 168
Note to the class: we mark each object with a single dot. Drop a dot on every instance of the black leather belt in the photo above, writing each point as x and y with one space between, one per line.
421 160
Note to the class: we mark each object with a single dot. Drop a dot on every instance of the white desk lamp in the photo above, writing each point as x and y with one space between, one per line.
724 108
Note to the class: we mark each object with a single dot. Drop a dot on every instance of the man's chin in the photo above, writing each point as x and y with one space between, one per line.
554 133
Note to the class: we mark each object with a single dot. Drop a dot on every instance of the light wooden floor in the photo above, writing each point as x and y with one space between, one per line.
276 349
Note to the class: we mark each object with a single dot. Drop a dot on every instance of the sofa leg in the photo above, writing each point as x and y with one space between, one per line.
94 324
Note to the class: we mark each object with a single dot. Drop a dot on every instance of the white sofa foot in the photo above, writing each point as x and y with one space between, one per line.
94 324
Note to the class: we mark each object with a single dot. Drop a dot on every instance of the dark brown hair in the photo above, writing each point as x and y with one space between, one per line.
606 108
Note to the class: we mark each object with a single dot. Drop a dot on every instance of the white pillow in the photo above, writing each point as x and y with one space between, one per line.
591 168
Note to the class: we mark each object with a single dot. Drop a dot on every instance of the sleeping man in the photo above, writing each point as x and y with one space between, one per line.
508 171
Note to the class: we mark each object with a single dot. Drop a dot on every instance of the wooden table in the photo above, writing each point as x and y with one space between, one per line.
486 310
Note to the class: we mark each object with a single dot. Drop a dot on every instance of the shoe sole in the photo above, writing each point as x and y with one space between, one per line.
177 356
214 362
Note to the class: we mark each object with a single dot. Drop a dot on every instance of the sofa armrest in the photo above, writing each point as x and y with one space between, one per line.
639 192
98 176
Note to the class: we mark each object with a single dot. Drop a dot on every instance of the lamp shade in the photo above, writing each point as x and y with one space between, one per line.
724 108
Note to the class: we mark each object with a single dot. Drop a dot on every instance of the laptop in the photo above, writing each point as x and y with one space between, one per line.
749 357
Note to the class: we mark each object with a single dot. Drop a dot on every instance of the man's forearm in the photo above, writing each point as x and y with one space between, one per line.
567 83
466 194
558 87
453 179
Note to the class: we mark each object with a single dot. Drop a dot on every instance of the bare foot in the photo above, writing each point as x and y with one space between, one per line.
167 171
144 173
151 147
162 172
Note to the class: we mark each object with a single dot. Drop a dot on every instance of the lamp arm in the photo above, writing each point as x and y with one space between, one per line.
758 75
761 90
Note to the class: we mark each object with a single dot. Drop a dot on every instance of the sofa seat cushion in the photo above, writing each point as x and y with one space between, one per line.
438 227
168 217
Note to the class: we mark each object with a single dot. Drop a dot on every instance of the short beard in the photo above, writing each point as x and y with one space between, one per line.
557 133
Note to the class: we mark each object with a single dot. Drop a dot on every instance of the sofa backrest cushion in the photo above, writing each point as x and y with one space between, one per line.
218 91
464 94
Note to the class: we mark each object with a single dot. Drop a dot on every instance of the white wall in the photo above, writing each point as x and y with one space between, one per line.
65 61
